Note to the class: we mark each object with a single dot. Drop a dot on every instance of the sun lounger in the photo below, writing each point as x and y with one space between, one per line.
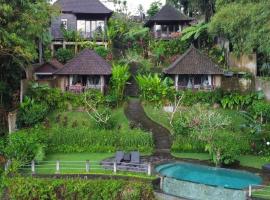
127 157
135 157
119 156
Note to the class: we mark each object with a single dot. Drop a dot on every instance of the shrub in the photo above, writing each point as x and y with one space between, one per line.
31 113
193 97
260 110
225 147
63 55
120 76
102 51
32 188
25 146
155 89
239 101
187 144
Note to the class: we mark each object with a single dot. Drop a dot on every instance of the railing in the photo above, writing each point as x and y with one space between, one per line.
259 191
196 87
80 89
81 167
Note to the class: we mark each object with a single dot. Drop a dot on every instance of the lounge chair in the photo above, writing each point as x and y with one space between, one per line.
119 156
127 157
135 157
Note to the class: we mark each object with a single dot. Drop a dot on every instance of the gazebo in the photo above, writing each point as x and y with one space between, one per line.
168 22
194 70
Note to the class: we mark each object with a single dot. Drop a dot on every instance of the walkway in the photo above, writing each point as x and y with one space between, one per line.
135 113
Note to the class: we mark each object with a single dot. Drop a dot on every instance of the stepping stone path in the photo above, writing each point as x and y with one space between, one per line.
136 114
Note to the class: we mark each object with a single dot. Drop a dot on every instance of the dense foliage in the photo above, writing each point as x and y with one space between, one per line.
154 89
31 189
64 55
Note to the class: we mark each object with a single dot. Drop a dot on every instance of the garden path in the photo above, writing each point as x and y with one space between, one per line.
132 88
136 114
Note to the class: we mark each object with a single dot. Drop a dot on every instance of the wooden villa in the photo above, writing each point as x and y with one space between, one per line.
88 17
168 23
85 71
194 70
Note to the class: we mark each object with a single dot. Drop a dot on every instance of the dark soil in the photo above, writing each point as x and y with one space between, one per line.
162 140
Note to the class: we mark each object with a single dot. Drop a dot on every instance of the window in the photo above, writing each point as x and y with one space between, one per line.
64 23
89 28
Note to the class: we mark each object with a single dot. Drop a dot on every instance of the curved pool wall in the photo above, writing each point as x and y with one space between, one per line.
197 191
195 181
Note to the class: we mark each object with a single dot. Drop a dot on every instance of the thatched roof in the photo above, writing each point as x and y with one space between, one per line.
87 62
49 67
168 14
193 62
83 6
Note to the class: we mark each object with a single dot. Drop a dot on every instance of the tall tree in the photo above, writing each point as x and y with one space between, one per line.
154 8
245 23
22 24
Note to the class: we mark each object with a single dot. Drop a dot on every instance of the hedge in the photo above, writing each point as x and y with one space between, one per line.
75 189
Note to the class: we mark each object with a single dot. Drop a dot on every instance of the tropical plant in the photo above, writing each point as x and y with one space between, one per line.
63 55
31 113
197 34
155 89
102 51
154 8
120 76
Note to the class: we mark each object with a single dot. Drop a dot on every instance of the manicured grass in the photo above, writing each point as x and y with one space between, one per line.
158 115
246 160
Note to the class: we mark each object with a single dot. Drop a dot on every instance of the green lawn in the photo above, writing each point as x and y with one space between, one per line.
246 160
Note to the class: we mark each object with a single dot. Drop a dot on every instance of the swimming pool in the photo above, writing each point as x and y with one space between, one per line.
220 177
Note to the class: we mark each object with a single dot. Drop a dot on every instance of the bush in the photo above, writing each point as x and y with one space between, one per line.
31 113
260 110
155 89
187 144
225 147
193 97
25 146
102 51
64 55
32 188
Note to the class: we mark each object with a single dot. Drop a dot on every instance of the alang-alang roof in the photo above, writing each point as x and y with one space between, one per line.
87 62
193 62
168 14
83 6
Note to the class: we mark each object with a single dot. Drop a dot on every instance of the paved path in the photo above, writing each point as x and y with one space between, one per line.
135 113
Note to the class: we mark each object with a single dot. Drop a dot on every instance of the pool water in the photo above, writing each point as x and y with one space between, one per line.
213 176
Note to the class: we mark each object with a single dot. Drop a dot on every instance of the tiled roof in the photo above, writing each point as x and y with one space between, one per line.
168 13
193 62
49 67
87 62
83 6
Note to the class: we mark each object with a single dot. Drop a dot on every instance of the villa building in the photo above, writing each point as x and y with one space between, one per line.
87 70
88 17
168 23
194 70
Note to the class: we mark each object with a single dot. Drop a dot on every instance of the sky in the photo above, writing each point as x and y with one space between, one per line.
133 4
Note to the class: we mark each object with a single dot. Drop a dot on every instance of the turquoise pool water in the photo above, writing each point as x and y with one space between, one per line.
226 178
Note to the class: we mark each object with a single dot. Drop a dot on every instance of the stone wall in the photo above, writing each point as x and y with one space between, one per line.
263 85
197 191
235 83
12 118
245 62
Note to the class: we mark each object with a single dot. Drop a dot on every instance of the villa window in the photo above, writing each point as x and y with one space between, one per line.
88 28
64 24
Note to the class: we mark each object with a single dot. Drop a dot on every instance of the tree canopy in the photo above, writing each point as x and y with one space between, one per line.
246 24
22 24
154 8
